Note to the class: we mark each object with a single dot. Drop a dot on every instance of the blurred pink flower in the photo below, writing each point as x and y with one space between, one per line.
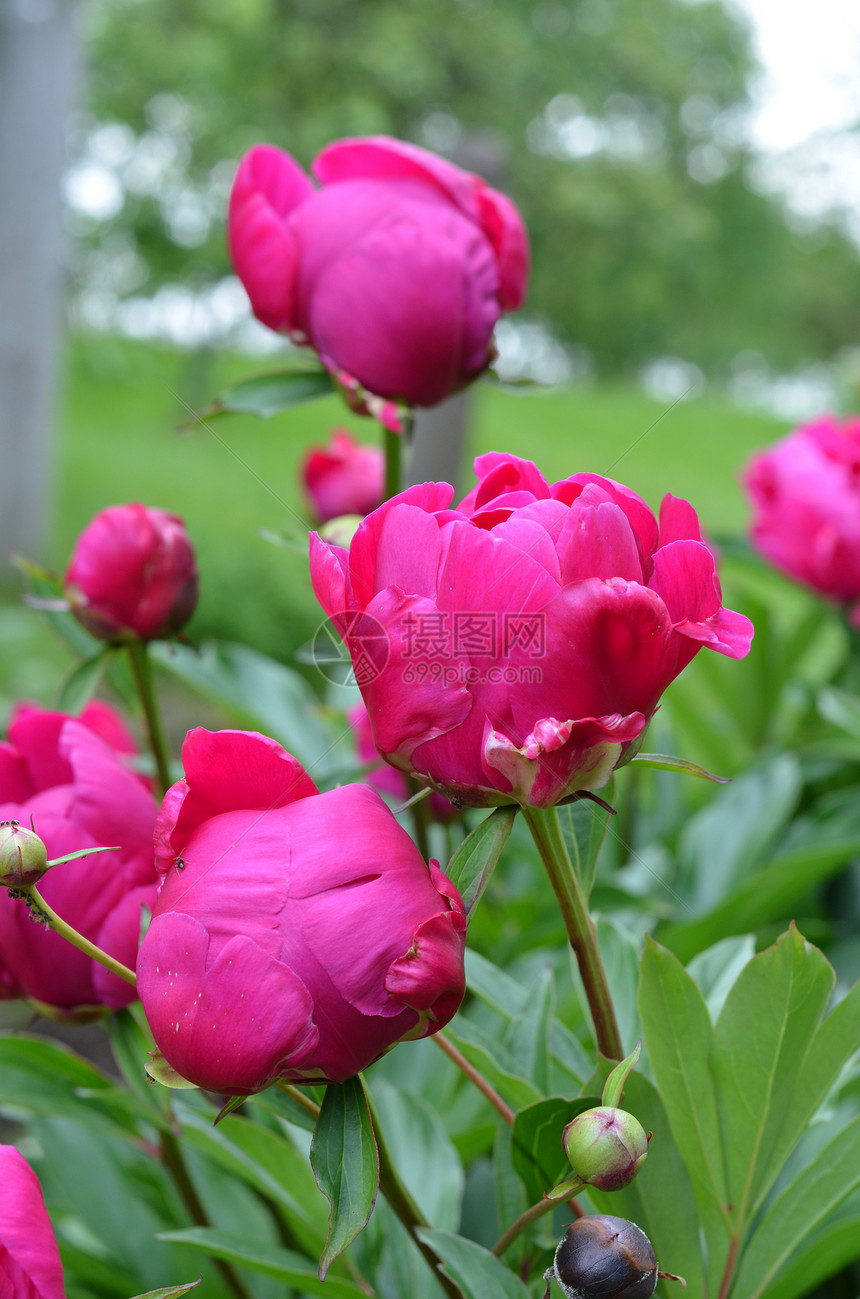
30 1266
395 271
344 477
805 491
68 775
296 935
133 573
513 649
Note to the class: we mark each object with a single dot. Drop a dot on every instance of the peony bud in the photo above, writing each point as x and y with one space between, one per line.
605 1147
23 856
602 1257
133 574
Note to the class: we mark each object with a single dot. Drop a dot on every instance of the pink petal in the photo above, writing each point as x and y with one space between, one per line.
230 1025
598 541
501 475
678 521
384 158
686 580
364 551
228 771
430 976
30 1266
506 231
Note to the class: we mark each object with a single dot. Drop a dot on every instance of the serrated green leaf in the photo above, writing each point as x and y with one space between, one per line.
345 1164
475 859
583 826
265 395
799 1210
760 1043
678 1036
474 1269
268 1260
537 1152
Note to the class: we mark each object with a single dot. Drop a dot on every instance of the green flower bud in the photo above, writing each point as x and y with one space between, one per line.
23 856
605 1147
341 530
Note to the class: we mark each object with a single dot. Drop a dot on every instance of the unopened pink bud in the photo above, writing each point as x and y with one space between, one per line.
605 1147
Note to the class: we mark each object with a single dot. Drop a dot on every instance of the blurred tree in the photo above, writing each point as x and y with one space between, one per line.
622 123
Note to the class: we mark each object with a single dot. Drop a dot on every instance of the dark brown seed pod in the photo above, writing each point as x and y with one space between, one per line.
602 1257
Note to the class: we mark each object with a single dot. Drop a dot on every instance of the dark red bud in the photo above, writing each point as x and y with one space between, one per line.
602 1257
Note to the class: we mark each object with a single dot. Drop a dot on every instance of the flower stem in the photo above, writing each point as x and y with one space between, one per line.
404 1206
142 669
174 1162
37 904
526 1219
393 443
474 1076
546 832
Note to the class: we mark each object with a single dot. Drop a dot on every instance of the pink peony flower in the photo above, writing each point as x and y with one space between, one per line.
296 935
30 1266
514 648
805 491
345 477
133 574
387 779
68 775
395 271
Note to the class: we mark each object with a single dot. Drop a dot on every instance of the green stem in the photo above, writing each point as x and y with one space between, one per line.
393 443
420 817
142 669
526 1219
404 1206
174 1162
546 832
35 900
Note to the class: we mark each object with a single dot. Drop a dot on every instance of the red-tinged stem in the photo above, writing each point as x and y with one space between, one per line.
547 835
526 1219
726 1283
475 1077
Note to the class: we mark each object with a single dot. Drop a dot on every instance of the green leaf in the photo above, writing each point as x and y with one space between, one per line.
528 1038
474 1269
269 1260
261 695
840 708
537 1152
678 1036
799 1210
265 395
497 989
345 1164
716 969
38 1076
131 1045
170 1292
664 762
83 681
474 861
824 1253
423 1153
583 826
264 1159
760 1043
613 1088
620 952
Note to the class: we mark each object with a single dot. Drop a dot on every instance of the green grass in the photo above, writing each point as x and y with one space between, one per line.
121 406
